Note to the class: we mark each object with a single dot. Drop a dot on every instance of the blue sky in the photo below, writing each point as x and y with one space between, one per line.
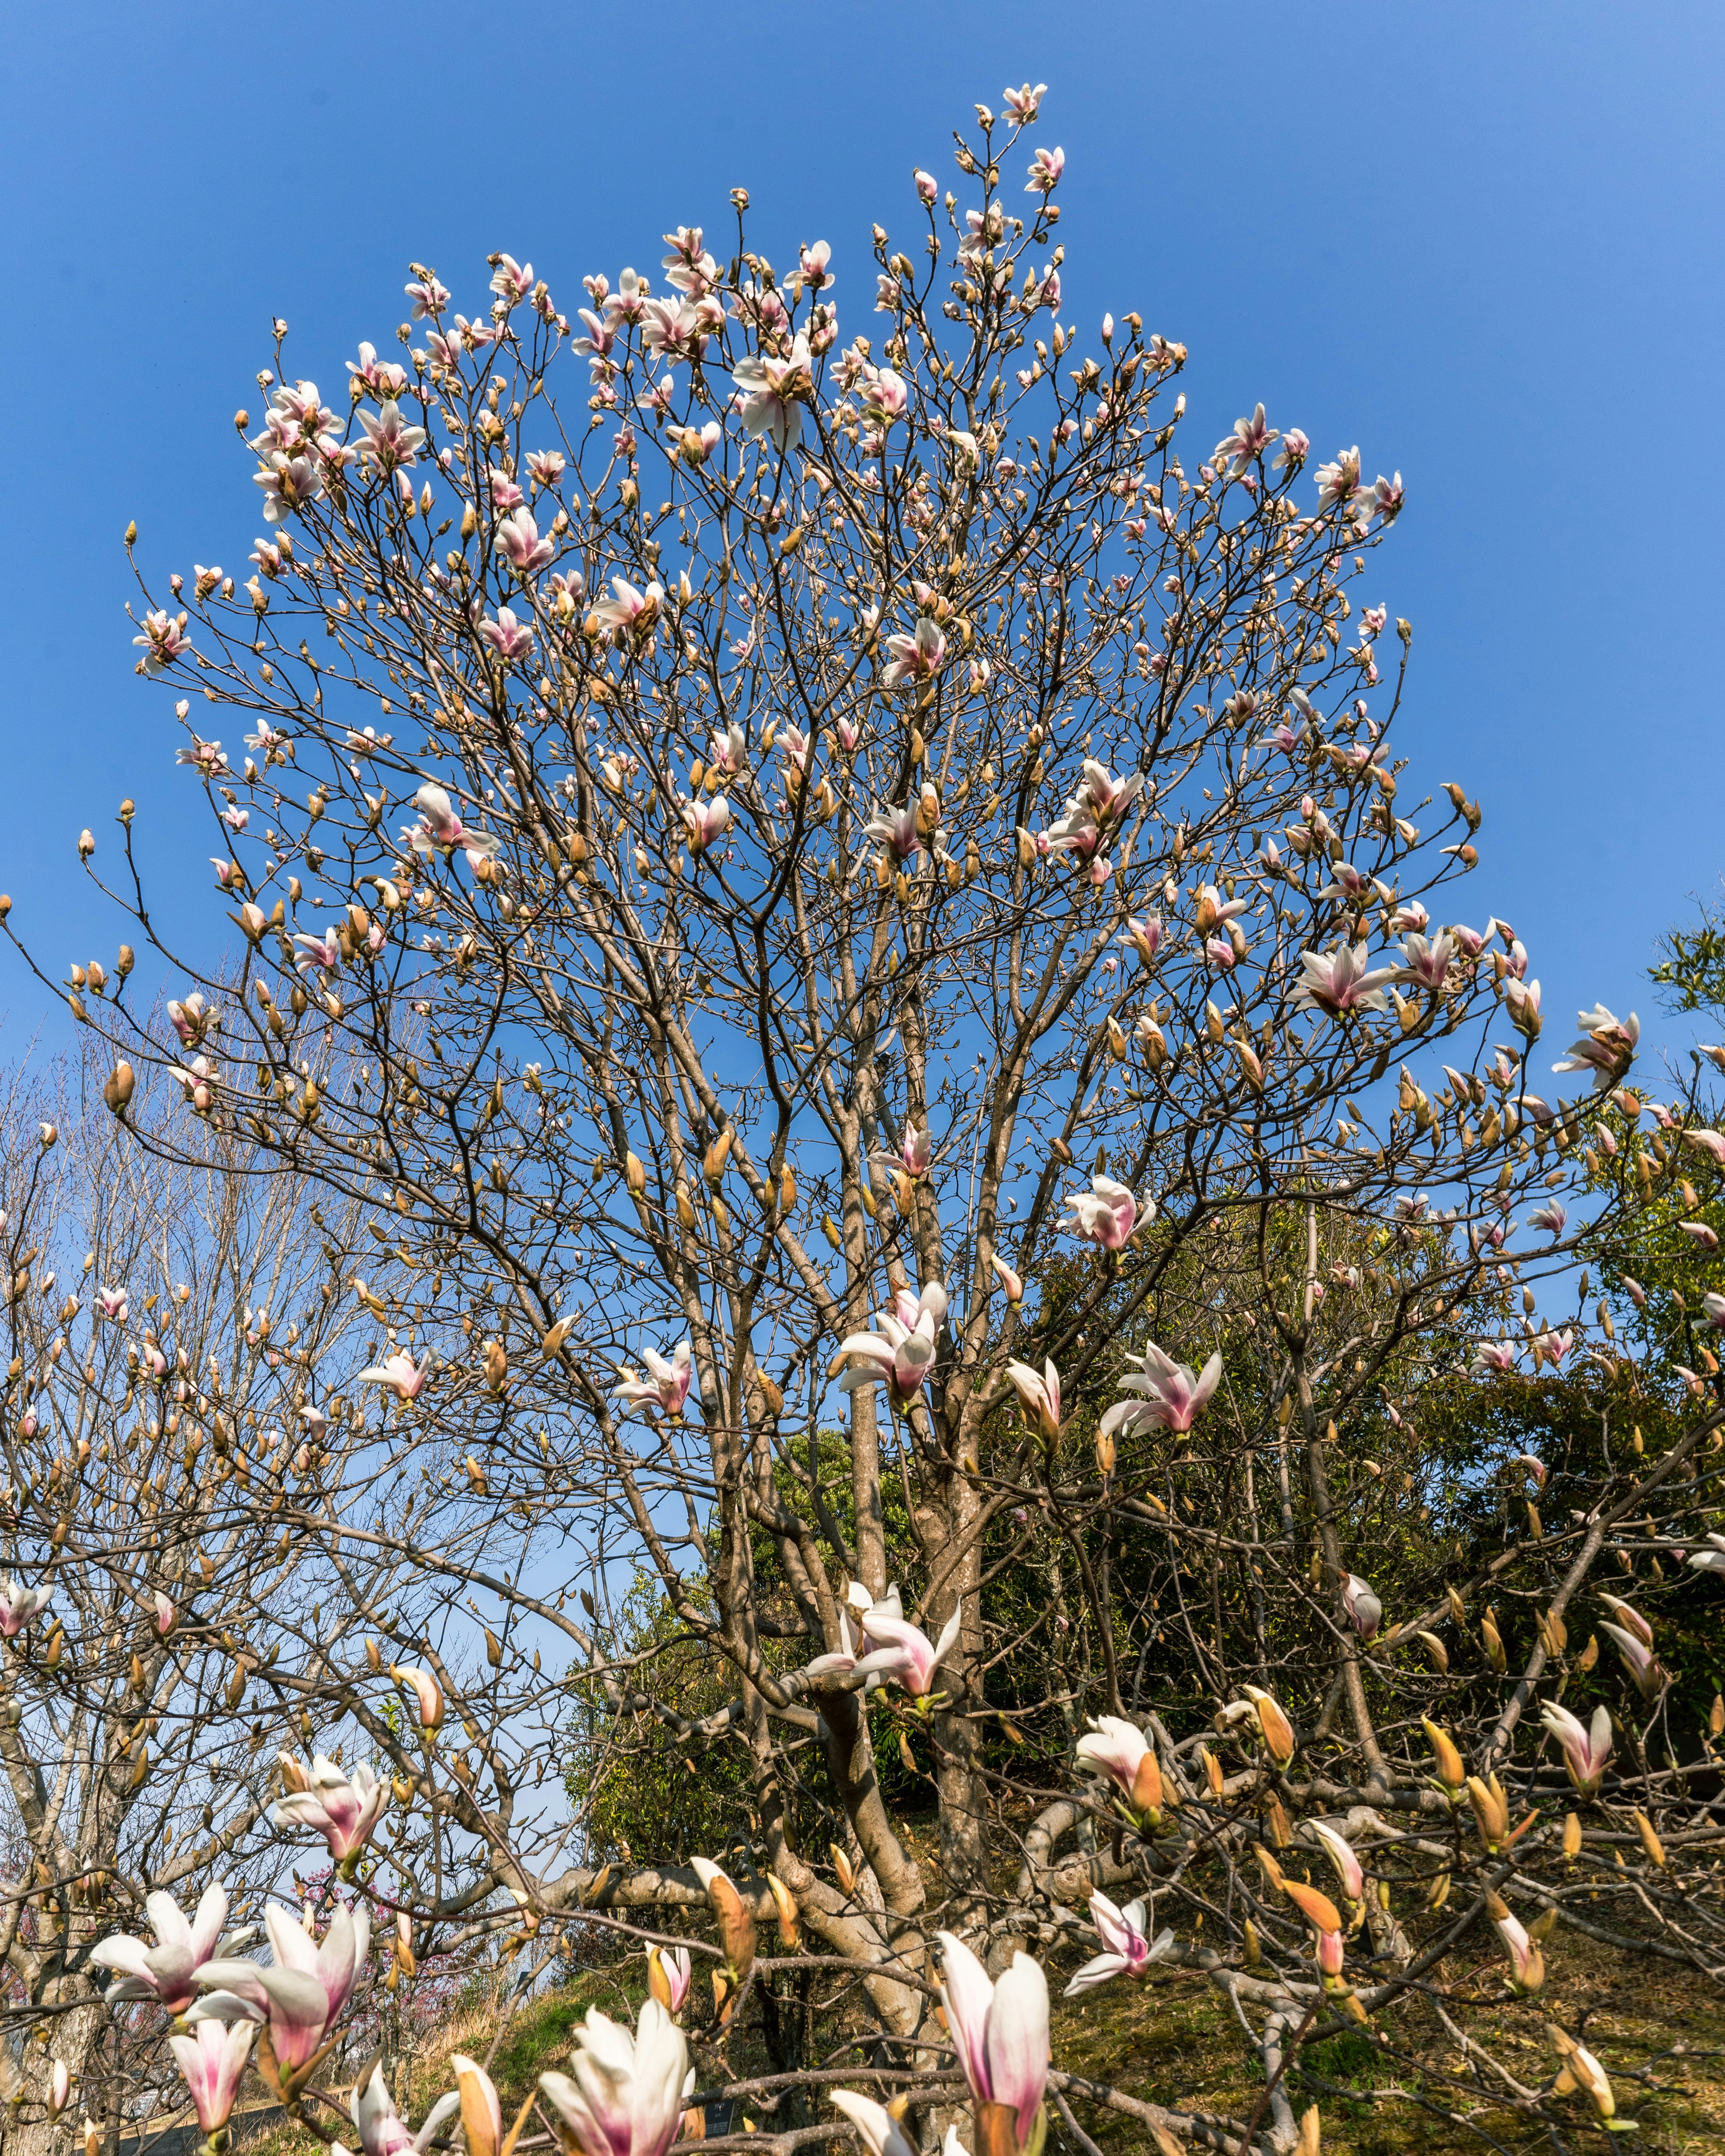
1482 241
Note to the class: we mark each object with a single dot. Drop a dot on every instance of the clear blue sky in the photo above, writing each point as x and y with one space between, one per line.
1484 242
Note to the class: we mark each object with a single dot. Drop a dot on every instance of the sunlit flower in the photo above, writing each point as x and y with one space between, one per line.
1106 1213
1128 1950
667 1387
1170 1397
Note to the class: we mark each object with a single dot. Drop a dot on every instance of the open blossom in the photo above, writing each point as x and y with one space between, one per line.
624 2096
1552 1218
667 1386
903 1350
518 537
303 1993
917 657
342 1808
1106 1213
1170 1397
774 391
1586 1747
1428 959
164 639
212 2060
381 2129
1039 1396
1127 1949
112 1303
1250 440
914 1150
509 638
630 611
441 830
1606 1048
20 1606
1000 2030
704 823
1338 483
1339 981
400 1373
170 1971
903 1651
1045 168
1497 1356
391 444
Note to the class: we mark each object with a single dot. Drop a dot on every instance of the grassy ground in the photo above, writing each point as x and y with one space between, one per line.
1659 2033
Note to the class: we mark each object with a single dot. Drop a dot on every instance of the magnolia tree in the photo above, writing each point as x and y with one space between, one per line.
842 906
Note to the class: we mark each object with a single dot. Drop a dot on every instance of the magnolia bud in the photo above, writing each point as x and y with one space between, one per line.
118 1087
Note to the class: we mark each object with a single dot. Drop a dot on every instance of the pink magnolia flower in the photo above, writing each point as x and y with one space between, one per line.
428 295
163 641
704 823
1586 1747
1107 796
1144 937
1527 1963
427 1692
60 2088
1520 999
1010 1281
391 444
1365 1612
1248 442
1710 1560
381 2130
440 829
1127 1949
668 1386
1700 1233
20 1606
1638 1658
629 611
512 281
518 537
323 953
1045 168
212 2060
1000 2030
1106 1213
914 1150
1170 1397
304 1991
905 1653
917 657
1497 1356
881 2132
667 1976
1534 1465
1606 1048
928 186
1023 104
1121 1750
343 1810
1428 959
1296 447
903 1350
167 1616
1338 483
1339 981
1039 1396
1346 1865
511 640
773 392
170 1972
400 1373
624 2097
1552 1217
